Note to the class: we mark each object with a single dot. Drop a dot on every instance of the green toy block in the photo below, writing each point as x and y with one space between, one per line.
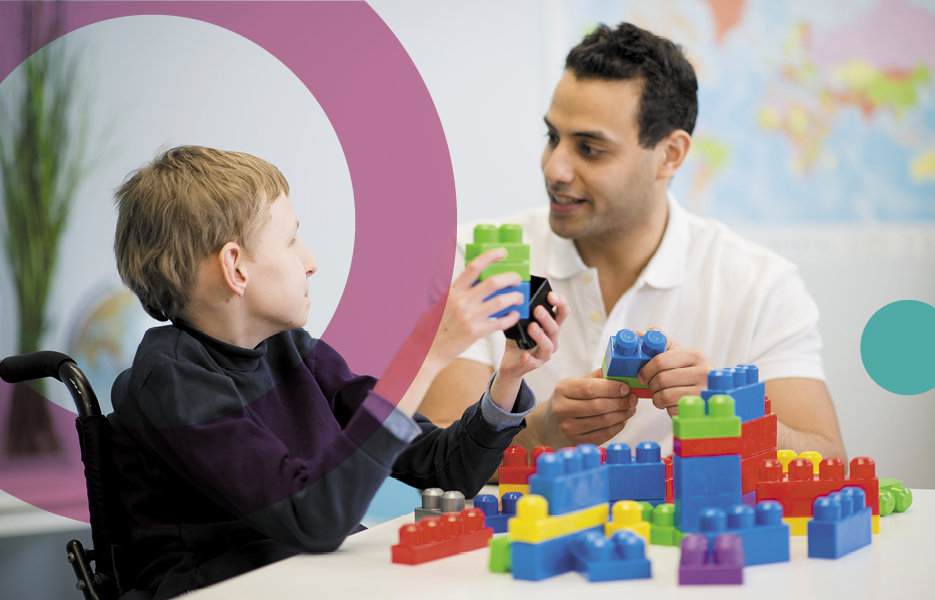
506 267
488 237
647 511
630 381
500 554
692 423
893 496
662 531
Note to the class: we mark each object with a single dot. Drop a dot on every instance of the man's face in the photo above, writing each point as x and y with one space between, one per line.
279 265
598 177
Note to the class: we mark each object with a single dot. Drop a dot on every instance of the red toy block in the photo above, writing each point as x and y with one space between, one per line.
758 435
438 537
516 468
801 484
749 469
670 479
769 405
707 446
641 392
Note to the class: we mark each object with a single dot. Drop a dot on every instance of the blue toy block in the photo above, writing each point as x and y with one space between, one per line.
688 510
522 308
494 517
841 523
765 536
644 479
627 352
741 383
534 562
622 556
703 475
571 479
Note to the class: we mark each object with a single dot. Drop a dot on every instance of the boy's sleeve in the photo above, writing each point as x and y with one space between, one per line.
249 471
464 455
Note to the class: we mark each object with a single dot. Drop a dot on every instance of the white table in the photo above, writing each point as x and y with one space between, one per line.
900 560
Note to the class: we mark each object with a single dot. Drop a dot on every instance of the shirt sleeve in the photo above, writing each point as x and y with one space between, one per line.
498 418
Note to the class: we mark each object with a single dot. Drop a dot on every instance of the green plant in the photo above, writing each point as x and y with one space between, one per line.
42 144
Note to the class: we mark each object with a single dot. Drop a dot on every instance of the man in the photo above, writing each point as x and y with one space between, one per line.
626 255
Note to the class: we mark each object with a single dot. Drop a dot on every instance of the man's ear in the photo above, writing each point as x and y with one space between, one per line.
671 151
233 267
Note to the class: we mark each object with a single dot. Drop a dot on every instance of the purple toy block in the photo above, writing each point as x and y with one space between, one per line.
699 566
622 556
627 352
570 479
642 479
841 523
743 385
494 517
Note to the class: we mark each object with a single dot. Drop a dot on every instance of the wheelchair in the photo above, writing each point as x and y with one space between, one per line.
108 522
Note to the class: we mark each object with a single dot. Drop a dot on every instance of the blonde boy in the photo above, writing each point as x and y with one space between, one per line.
240 439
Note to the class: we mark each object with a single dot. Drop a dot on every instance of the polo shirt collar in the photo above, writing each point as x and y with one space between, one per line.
666 268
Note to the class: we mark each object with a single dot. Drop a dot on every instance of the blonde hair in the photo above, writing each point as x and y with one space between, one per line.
181 208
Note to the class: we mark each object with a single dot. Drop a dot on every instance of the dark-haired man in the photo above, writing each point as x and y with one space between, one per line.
626 255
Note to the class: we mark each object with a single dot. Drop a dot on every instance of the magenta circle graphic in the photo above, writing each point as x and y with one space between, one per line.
396 154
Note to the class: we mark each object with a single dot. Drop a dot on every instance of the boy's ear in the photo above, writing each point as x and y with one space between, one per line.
233 267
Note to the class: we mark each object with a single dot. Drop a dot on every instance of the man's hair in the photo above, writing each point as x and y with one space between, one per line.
181 208
670 89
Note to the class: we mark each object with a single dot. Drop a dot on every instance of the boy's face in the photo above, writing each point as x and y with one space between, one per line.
279 265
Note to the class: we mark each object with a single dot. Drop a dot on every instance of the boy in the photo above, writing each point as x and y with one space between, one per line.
240 440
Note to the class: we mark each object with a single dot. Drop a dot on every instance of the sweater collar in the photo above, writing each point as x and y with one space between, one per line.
227 356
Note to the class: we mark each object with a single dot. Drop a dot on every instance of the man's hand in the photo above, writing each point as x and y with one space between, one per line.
585 410
675 373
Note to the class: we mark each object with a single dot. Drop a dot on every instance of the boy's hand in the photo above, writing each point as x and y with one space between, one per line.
517 362
675 373
467 310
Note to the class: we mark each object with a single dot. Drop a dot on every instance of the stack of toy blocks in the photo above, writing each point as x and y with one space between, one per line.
510 237
627 353
758 423
437 537
798 489
706 465
513 475
841 525
706 563
642 479
495 516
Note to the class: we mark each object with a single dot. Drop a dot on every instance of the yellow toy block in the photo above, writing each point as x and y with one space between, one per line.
516 487
532 523
797 525
785 457
628 515
875 520
813 457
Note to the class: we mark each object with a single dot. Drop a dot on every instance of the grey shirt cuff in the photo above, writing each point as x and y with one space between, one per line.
396 422
497 418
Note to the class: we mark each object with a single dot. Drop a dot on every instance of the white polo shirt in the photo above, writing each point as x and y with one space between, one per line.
706 287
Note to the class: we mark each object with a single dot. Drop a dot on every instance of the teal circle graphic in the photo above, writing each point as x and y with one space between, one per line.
898 347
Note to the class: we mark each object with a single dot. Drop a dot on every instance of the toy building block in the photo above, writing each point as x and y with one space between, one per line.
435 502
670 481
798 526
500 554
647 510
538 295
438 537
642 478
619 557
758 435
769 405
743 385
703 475
707 446
688 510
749 499
533 524
785 457
749 470
495 517
571 479
662 530
516 468
798 489
627 353
522 307
765 536
893 496
699 566
507 236
842 524
692 422
628 515
812 457
534 562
